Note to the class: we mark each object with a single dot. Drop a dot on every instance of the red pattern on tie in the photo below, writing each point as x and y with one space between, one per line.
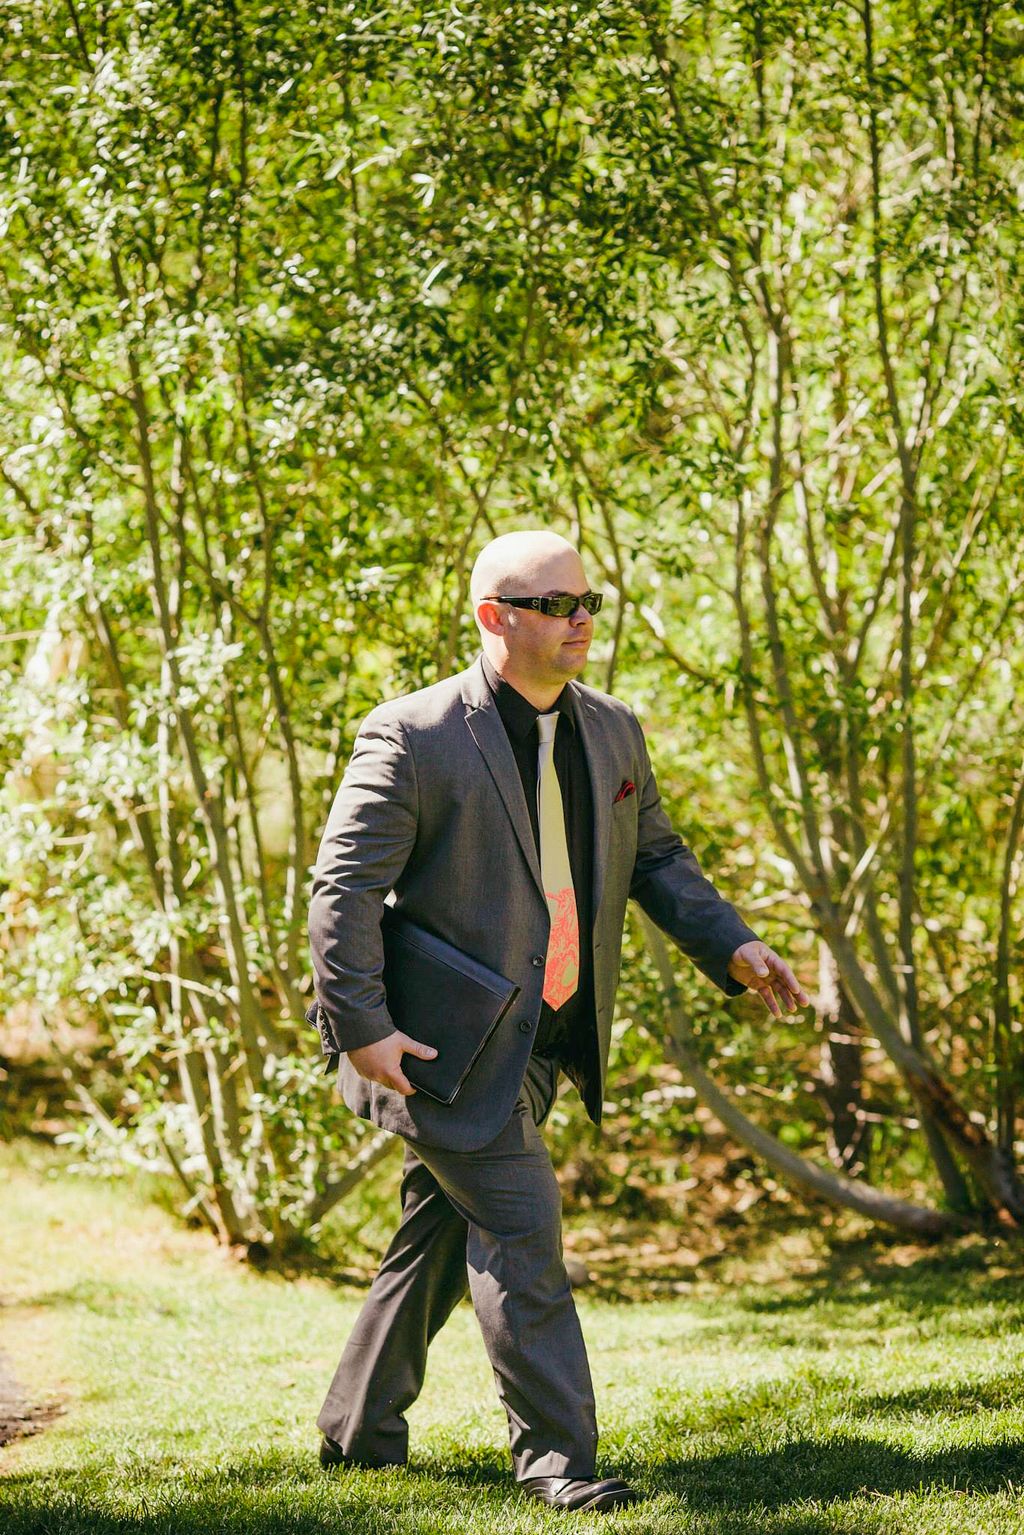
562 970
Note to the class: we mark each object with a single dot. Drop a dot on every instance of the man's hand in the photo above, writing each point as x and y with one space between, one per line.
382 1062
759 967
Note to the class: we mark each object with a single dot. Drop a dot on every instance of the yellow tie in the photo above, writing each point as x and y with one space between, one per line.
562 967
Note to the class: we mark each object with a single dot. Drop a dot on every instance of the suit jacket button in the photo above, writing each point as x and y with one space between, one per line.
525 1025
538 960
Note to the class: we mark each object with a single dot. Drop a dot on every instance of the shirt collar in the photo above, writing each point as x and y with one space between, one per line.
518 714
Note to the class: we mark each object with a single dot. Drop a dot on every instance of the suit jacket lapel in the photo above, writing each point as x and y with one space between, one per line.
604 781
488 731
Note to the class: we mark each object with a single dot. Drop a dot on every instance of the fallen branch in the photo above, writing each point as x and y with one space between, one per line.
852 1194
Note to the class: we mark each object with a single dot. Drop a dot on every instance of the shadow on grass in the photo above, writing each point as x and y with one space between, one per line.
843 1468
737 1493
857 1274
997 1393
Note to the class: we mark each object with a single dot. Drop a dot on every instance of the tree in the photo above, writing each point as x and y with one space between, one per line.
299 307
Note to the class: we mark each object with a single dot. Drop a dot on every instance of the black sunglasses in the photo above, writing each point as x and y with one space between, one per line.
562 606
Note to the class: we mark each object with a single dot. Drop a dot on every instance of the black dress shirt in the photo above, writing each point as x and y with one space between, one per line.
565 1035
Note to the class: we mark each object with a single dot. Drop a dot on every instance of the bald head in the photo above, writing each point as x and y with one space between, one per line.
518 564
536 652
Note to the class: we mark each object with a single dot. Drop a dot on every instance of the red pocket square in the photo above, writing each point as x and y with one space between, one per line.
628 787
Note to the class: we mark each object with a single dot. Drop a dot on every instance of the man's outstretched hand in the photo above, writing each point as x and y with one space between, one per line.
382 1062
755 965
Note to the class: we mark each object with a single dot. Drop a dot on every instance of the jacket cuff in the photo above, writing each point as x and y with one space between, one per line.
339 1037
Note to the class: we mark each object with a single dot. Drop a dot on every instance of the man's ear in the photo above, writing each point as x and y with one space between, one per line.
490 617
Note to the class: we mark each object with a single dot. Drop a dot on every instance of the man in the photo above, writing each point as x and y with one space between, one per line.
512 811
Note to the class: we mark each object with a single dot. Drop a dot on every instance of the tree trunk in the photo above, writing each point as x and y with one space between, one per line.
849 1132
835 1188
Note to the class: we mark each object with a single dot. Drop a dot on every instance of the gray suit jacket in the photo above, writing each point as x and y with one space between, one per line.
431 807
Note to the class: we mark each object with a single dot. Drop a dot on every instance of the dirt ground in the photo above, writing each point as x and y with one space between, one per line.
18 1417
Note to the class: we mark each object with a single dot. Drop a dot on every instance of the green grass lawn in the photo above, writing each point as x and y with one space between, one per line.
881 1391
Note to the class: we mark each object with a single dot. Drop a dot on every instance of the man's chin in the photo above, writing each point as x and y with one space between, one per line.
573 658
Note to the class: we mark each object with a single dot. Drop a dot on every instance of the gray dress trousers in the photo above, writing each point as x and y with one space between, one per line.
491 1219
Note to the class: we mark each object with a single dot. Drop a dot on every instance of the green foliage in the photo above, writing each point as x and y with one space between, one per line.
300 306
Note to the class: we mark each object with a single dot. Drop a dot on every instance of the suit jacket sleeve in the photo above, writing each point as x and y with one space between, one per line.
369 835
668 884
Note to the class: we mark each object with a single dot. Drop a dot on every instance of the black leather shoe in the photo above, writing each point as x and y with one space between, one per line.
332 1456
579 1492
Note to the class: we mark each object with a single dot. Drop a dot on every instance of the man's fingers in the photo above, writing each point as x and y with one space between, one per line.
413 1047
776 997
785 982
396 1078
772 979
771 1001
400 1083
768 970
382 1062
789 980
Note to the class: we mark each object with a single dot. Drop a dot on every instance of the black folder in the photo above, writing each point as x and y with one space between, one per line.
439 996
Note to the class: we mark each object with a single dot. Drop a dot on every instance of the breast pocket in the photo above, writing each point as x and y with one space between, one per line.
624 810
623 832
